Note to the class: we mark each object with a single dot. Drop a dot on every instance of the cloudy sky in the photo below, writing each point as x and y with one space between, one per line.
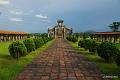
37 15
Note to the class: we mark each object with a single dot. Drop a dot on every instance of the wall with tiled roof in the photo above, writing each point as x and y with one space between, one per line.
11 32
105 33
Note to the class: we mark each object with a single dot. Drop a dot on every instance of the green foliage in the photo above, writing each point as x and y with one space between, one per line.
88 44
81 43
72 38
106 68
84 43
30 45
50 38
37 42
107 51
45 39
17 49
115 26
41 41
118 59
9 67
92 46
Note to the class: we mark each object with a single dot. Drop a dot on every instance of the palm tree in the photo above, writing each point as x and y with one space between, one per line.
115 26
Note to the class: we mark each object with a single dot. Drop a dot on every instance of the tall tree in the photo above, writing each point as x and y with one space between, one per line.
115 26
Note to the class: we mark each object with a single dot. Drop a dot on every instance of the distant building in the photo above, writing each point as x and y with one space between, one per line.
60 30
106 36
11 35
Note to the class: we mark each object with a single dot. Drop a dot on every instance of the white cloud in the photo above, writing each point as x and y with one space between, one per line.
4 2
16 19
41 16
16 12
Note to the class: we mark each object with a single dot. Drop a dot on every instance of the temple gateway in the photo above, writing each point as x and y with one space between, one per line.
59 31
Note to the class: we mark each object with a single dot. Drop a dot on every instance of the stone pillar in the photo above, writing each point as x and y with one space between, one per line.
23 36
117 38
48 34
97 38
110 38
13 37
55 33
18 37
9 38
100 38
64 35
0 38
4 38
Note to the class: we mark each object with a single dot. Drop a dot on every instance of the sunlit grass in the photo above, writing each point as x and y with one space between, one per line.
9 67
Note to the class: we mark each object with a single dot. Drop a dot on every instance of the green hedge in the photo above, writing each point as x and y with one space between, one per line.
37 42
108 51
72 38
17 49
90 45
118 59
30 45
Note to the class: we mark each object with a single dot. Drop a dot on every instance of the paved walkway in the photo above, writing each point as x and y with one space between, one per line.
60 62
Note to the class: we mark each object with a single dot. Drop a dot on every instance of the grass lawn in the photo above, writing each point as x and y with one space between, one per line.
9 67
110 69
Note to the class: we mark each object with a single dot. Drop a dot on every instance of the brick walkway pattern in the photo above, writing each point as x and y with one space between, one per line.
60 62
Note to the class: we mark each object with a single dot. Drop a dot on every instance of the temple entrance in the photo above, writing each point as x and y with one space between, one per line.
59 33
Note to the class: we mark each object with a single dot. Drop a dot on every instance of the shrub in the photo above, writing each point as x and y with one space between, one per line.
30 45
41 41
92 46
84 43
17 49
88 44
118 59
37 42
50 38
107 51
45 39
72 38
81 43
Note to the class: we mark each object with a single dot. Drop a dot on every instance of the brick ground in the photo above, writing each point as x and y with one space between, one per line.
60 62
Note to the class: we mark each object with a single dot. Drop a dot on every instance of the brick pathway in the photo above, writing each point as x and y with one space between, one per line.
60 62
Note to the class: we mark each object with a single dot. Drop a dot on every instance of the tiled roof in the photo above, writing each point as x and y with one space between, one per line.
104 33
11 32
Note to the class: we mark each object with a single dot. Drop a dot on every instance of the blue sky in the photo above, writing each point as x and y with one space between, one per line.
37 15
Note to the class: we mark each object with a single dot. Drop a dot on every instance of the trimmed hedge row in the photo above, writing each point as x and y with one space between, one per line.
18 49
30 45
106 50
90 45
72 38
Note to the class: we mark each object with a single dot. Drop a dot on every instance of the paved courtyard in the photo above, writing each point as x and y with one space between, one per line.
60 62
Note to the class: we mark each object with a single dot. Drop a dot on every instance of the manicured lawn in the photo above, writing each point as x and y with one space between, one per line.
9 67
106 68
